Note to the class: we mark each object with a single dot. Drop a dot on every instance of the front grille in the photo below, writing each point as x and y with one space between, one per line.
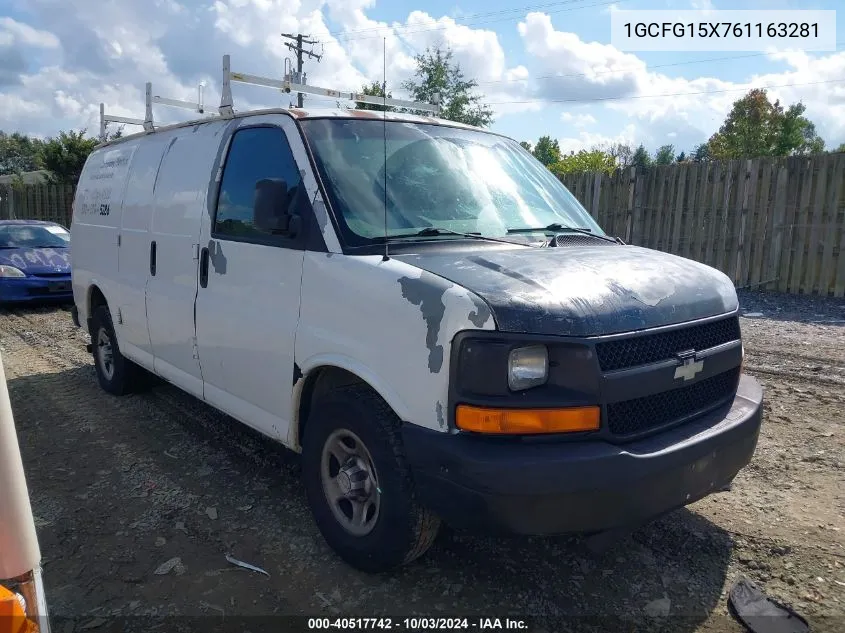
52 275
632 417
652 348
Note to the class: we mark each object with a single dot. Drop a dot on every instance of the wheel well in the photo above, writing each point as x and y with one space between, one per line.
319 382
96 298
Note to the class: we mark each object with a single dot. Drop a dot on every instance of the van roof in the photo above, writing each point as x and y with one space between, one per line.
303 114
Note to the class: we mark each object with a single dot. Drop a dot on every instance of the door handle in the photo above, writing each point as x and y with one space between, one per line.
204 267
153 258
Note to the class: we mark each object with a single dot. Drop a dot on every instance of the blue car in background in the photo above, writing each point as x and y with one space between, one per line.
34 261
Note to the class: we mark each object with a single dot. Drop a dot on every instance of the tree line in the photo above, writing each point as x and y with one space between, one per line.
755 127
62 156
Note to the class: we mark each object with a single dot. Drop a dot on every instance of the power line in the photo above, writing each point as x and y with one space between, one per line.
472 16
631 68
403 31
667 94
300 39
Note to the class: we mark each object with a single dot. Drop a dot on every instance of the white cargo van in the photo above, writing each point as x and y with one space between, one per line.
424 312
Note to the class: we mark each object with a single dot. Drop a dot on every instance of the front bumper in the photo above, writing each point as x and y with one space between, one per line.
552 487
36 289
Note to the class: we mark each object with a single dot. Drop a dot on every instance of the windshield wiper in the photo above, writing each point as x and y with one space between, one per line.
433 231
556 227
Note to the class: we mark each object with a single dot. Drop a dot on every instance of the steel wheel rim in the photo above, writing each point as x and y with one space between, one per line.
105 354
350 482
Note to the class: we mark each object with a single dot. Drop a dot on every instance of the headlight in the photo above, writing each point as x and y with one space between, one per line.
528 367
11 271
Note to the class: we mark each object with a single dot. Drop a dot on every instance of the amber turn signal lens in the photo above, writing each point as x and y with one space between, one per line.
12 617
527 421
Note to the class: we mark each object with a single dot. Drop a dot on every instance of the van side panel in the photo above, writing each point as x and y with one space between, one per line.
134 252
378 320
97 209
180 202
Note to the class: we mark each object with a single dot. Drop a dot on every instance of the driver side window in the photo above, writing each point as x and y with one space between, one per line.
259 186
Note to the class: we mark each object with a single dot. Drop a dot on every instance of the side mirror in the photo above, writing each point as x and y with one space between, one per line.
272 201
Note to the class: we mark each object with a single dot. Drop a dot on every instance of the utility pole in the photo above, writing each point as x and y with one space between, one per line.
297 48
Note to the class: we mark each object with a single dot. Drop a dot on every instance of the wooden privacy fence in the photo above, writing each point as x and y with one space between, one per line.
777 223
37 202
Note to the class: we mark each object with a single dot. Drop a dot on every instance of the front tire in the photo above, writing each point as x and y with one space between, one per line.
115 373
358 483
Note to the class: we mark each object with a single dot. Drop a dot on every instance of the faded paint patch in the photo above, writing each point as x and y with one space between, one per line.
427 292
486 263
481 314
216 256
441 420
321 213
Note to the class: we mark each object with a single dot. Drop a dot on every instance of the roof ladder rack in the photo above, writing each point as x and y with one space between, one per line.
189 105
150 99
146 122
289 85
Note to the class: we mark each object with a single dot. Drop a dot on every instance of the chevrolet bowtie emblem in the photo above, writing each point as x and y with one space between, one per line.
689 367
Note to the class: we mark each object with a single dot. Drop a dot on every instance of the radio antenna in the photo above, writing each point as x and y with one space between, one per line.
384 134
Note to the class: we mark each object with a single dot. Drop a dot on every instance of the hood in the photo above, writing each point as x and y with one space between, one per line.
584 290
37 261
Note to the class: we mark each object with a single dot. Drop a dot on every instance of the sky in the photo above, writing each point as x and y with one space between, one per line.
545 67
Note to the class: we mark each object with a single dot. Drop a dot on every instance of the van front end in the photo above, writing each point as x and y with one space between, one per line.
624 429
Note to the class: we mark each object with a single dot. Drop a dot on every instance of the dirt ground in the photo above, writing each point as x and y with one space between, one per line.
120 486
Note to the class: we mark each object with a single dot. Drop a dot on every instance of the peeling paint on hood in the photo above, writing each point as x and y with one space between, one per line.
584 290
35 261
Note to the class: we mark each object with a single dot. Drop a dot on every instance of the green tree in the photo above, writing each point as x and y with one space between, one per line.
757 127
797 133
665 155
584 161
547 150
641 158
681 158
18 153
621 152
701 153
374 89
841 148
437 73
64 156
526 145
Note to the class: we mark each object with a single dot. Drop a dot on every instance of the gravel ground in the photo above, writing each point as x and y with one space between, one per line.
121 486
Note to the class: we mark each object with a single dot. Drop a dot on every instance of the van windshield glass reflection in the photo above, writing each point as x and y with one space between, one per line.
437 176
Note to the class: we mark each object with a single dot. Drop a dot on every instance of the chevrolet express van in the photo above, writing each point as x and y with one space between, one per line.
424 312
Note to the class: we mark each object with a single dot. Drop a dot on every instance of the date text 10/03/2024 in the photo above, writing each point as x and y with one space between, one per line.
418 624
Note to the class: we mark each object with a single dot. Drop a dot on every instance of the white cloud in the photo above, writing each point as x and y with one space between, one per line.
578 120
670 107
21 33
64 57
589 140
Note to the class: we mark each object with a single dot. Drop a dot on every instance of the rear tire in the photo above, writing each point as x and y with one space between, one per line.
392 529
115 373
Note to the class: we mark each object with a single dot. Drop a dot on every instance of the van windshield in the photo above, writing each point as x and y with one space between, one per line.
437 176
